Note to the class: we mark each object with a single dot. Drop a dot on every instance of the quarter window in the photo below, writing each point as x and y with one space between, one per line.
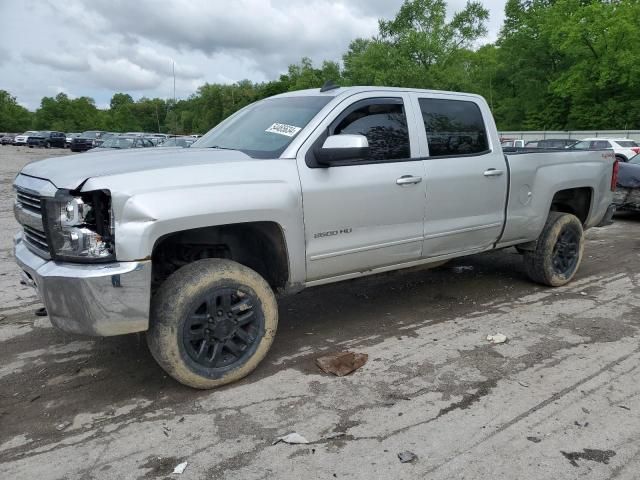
385 126
454 127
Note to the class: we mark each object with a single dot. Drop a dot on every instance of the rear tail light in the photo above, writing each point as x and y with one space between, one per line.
636 149
614 175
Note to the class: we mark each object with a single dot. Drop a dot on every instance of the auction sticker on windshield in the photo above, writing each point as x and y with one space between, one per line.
283 129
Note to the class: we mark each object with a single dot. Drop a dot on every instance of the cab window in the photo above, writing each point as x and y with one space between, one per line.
454 127
383 122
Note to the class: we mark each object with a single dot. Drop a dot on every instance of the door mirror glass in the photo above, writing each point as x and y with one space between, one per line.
342 147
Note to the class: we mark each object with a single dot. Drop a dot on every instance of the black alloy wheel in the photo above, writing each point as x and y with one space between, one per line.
566 252
223 329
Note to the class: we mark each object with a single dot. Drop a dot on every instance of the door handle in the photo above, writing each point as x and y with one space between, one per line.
492 172
408 180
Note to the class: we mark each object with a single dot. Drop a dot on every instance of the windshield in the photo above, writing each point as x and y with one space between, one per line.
90 134
117 142
626 144
635 160
266 128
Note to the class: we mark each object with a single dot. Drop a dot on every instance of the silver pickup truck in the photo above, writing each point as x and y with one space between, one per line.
298 190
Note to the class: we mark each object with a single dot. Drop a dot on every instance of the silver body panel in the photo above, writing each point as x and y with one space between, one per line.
338 222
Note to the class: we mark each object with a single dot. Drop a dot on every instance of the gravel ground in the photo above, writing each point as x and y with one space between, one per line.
559 400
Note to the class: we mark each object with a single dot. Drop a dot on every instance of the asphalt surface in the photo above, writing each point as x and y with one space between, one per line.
559 400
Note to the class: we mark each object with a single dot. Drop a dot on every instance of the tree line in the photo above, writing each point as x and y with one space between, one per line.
556 65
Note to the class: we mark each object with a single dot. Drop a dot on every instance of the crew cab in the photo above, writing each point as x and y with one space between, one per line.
294 191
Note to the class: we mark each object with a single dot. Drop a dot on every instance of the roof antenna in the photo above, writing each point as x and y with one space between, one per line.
329 85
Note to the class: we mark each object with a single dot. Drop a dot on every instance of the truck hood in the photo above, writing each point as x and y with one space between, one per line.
71 171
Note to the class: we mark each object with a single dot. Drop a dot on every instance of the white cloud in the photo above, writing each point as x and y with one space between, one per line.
58 60
97 47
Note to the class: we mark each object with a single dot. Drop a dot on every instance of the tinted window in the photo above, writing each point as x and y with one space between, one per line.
600 144
385 126
627 144
454 127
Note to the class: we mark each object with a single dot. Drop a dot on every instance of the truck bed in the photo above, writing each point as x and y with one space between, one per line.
540 177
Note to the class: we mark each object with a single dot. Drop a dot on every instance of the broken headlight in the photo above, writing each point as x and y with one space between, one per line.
79 227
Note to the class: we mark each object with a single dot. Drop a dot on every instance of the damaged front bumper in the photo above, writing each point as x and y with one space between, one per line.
89 299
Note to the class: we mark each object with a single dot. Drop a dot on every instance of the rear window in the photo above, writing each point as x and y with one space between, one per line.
627 144
454 127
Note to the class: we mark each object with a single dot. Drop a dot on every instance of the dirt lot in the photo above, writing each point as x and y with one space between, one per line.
560 400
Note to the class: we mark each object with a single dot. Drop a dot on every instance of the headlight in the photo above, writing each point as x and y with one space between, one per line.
80 227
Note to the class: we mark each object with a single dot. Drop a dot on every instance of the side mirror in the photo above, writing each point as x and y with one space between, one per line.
338 148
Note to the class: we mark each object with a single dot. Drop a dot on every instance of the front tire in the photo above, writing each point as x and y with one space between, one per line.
558 251
212 323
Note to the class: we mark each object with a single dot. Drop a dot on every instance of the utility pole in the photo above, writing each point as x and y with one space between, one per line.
175 115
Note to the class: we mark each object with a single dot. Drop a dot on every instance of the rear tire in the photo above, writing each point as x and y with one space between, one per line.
558 251
212 323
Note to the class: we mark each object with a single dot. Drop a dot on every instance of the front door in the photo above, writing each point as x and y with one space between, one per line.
466 180
368 213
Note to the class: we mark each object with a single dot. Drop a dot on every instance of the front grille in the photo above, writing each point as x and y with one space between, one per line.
31 220
36 238
29 201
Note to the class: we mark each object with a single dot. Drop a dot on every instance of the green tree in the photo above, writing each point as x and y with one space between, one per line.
418 48
13 117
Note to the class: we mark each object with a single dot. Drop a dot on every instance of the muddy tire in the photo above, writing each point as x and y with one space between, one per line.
212 322
558 251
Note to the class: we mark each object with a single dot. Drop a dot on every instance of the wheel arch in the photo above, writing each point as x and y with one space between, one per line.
261 246
576 201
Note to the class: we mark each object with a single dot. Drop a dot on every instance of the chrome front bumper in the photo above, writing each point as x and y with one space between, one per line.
90 299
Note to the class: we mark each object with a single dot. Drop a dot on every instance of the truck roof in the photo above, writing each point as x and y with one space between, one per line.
348 91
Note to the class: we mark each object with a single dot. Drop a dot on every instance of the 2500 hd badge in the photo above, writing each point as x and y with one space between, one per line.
332 233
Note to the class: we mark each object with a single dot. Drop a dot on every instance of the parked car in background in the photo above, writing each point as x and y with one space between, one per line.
532 144
512 143
624 148
183 142
106 135
161 136
556 143
86 140
69 138
22 139
47 139
7 139
627 195
123 142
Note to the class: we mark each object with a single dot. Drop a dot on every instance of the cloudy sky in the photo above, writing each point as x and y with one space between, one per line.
98 47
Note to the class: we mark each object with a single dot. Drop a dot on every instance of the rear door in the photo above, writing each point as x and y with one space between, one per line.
466 177
367 213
